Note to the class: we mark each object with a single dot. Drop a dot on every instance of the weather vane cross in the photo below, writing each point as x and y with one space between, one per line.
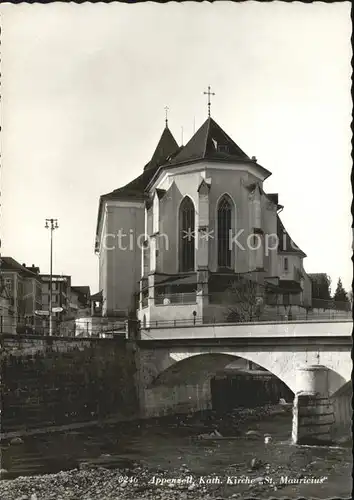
209 93
166 115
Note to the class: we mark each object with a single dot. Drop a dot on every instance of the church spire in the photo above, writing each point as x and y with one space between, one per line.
208 93
166 115
166 147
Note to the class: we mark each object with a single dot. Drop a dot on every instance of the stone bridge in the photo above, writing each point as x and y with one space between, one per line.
175 370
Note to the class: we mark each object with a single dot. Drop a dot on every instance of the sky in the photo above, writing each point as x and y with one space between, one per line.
83 94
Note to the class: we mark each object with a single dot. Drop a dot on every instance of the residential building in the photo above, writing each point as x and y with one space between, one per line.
80 301
22 287
6 308
61 286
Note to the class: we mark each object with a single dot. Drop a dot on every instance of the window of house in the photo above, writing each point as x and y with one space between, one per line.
286 264
224 231
8 285
187 235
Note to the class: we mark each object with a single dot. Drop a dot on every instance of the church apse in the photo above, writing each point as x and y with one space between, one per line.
201 208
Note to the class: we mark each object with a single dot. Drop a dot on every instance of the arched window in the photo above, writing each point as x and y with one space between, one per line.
186 235
224 231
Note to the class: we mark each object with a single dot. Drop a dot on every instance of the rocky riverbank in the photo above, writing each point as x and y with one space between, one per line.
140 483
171 458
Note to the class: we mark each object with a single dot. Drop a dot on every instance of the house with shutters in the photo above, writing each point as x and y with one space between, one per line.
196 235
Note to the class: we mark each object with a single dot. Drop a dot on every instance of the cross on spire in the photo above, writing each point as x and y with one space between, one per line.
209 94
166 115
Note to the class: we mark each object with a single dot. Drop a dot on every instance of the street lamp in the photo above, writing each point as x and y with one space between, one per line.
51 224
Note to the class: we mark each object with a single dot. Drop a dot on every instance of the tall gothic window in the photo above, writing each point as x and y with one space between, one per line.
224 232
187 235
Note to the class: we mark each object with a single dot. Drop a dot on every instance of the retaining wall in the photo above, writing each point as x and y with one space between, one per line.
49 381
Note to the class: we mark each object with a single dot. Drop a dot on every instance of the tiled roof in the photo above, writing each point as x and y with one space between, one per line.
97 296
166 147
317 276
210 142
134 189
84 290
10 264
286 244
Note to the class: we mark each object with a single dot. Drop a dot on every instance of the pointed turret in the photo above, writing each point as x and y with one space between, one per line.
166 147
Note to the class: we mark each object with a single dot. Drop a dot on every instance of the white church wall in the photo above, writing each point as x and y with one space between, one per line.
168 231
125 224
149 221
184 185
103 257
177 175
169 313
225 179
269 226
156 214
229 182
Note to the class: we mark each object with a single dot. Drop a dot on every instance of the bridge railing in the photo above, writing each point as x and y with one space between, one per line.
165 323
266 317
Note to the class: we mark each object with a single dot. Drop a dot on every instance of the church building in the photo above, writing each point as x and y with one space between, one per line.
197 238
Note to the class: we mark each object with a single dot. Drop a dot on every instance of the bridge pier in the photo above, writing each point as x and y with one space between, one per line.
158 398
313 415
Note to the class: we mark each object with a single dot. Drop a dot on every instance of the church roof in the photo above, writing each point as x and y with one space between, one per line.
166 147
134 189
211 142
286 244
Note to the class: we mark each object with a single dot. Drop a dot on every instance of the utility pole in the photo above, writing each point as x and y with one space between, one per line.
51 224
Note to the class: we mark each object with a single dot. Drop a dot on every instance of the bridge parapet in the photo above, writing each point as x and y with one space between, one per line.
242 330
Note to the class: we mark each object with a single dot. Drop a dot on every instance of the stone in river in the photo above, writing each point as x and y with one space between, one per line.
16 440
253 434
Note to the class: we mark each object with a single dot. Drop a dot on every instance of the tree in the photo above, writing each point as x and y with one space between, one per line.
244 300
321 286
340 294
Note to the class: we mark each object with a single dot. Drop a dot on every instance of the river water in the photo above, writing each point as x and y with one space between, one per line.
172 444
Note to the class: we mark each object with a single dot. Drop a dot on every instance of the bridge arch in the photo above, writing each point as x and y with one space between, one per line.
198 364
192 368
177 379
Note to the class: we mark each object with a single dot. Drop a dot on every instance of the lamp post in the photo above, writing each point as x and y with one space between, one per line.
51 224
